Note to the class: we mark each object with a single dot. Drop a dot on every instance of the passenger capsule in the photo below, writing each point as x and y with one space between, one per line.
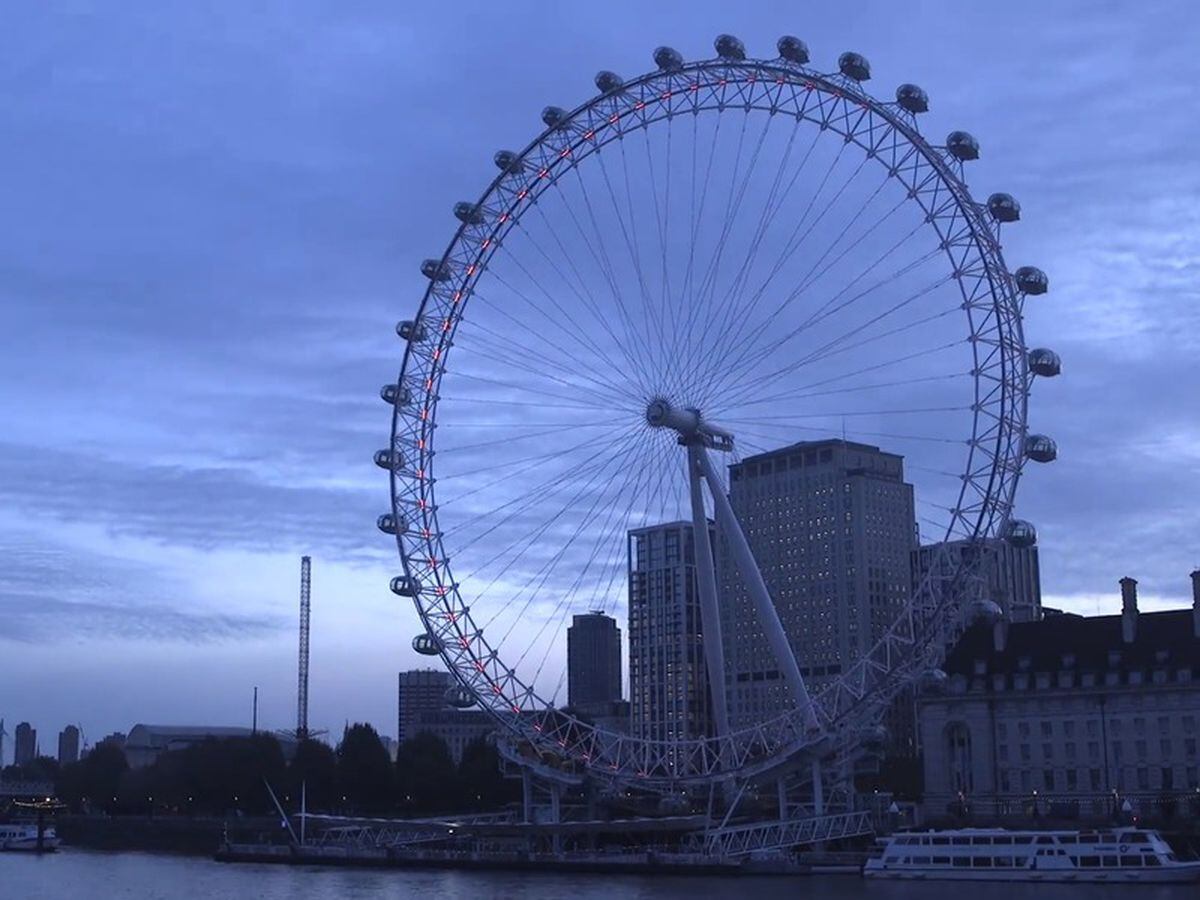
855 66
435 270
1032 280
426 644
392 460
912 98
873 737
403 586
962 145
1004 207
1044 362
395 395
934 680
389 524
413 331
608 81
1019 533
792 49
982 612
508 161
729 47
1040 448
668 59
468 213
459 697
553 115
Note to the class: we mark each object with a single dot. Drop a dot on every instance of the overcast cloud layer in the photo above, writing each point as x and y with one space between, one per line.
215 217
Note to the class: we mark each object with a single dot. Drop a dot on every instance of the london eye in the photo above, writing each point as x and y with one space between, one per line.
689 270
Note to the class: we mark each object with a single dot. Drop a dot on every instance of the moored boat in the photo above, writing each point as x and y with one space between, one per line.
24 836
1121 855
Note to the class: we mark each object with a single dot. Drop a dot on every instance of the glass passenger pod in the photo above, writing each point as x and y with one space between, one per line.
426 644
1004 207
608 82
468 213
793 49
854 66
934 680
459 697
435 270
982 612
413 331
404 586
390 459
1019 533
1041 448
553 116
668 59
1045 363
912 98
1031 280
729 47
389 524
508 161
962 145
395 395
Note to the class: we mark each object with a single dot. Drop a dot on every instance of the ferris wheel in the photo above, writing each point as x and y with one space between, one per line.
695 267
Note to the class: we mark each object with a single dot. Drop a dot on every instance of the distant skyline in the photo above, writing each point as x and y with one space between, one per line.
220 216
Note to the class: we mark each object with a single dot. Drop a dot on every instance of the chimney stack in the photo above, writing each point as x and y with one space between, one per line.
1196 603
1000 635
1129 610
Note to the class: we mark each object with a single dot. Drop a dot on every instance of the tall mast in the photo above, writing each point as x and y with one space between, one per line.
302 688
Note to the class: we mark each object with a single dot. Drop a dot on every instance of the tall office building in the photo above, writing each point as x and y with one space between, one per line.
832 527
68 745
420 691
668 684
24 744
593 662
1013 578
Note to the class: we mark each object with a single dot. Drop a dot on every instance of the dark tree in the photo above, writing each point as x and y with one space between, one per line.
364 770
425 775
315 767
483 786
92 782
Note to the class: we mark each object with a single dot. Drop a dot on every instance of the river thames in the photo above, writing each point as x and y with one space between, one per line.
144 876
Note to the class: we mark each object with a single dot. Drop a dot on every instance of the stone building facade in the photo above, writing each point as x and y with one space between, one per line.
1067 714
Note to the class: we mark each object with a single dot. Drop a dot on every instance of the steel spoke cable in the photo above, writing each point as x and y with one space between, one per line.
773 204
605 262
495 349
630 471
596 477
579 335
547 567
501 346
565 607
830 348
583 292
751 354
731 336
805 392
706 294
483 379
558 429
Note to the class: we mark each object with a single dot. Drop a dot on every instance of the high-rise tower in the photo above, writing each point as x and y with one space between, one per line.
302 687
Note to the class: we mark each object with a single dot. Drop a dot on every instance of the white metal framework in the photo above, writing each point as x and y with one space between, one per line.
678 338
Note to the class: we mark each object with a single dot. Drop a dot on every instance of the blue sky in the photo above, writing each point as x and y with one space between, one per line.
215 217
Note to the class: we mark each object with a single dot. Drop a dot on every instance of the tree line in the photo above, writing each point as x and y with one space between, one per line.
228 776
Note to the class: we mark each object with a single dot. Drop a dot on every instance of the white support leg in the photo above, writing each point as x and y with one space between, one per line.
757 588
706 584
